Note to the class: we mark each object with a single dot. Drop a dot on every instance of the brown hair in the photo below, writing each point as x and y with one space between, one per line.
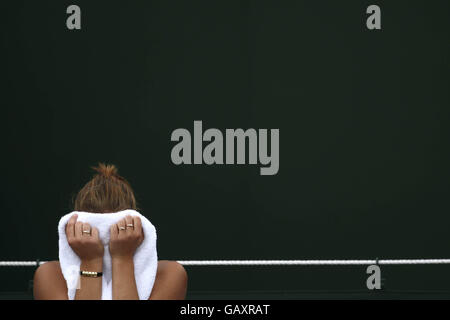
106 192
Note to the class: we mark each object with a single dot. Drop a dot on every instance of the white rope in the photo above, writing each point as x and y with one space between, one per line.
20 263
309 262
270 262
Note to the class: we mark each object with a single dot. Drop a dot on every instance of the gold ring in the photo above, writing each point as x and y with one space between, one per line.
121 228
86 231
130 225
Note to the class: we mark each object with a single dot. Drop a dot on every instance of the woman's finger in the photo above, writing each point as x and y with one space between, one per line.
78 229
86 227
121 225
129 224
114 231
94 232
138 225
70 227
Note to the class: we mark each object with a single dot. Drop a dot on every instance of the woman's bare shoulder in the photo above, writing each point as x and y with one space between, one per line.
50 266
49 282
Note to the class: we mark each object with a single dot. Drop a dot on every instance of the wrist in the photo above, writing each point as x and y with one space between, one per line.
122 259
122 264
95 264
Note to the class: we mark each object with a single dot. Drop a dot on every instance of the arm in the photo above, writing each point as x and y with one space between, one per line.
90 250
49 282
123 281
126 236
90 288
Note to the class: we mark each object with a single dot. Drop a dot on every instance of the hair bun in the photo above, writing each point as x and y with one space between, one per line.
107 170
106 192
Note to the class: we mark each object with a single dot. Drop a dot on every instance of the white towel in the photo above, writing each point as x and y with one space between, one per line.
145 258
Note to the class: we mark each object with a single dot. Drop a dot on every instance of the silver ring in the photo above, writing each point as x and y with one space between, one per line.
130 225
85 231
121 228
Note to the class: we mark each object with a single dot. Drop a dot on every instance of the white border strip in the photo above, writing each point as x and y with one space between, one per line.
270 262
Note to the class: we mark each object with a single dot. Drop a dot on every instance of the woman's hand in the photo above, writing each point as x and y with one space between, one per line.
86 245
126 236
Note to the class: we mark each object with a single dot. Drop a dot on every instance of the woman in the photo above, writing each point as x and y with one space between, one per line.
107 192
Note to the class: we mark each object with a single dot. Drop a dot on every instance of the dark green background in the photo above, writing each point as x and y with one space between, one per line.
364 134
